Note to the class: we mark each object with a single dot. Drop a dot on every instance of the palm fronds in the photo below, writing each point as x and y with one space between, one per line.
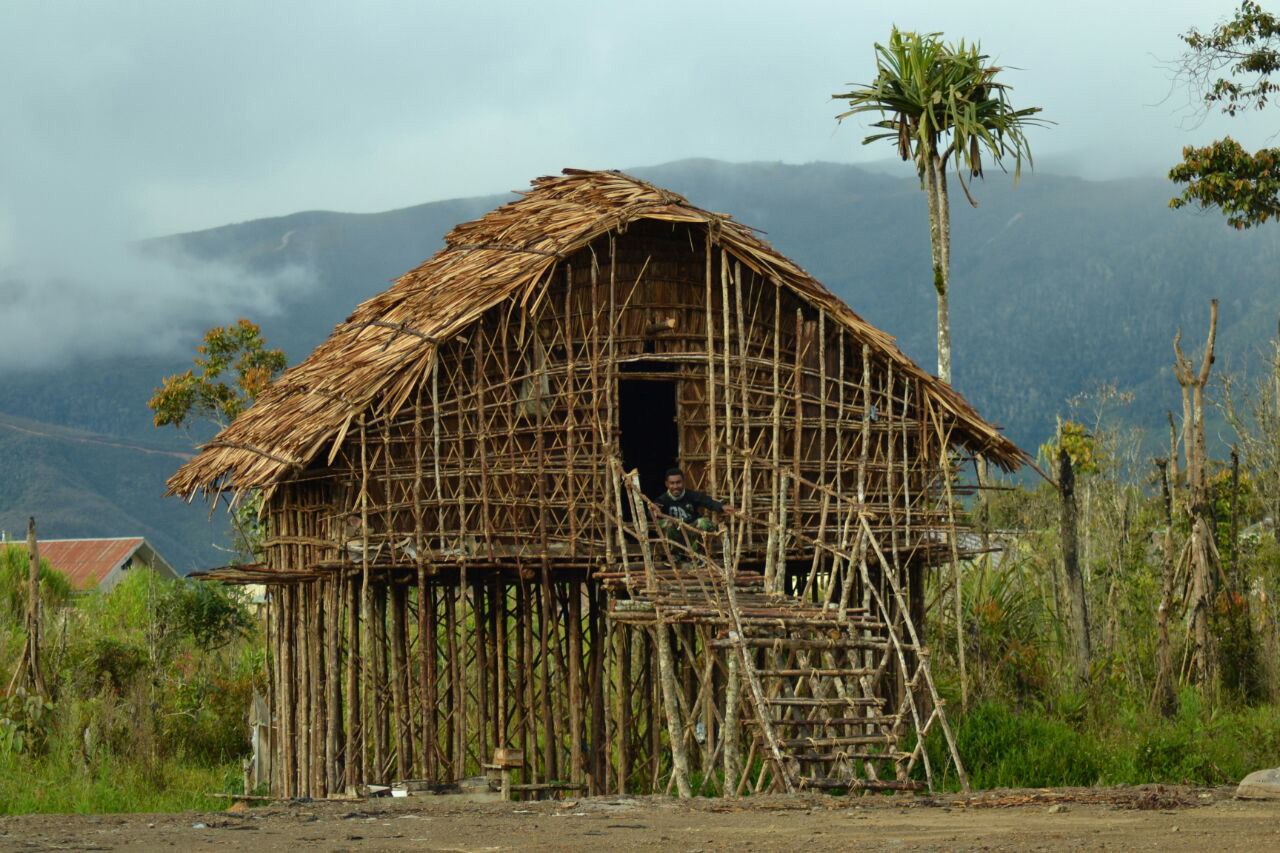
942 100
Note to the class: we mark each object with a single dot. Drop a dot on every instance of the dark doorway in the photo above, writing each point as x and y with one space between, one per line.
650 434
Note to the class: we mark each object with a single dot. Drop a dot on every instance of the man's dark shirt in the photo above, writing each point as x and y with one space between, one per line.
684 508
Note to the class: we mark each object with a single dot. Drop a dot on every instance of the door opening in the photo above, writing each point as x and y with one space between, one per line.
650 434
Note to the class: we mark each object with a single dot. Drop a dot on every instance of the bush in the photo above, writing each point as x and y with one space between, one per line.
24 723
210 613
1004 748
100 663
15 568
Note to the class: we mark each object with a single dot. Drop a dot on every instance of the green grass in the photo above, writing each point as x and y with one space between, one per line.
51 785
1007 747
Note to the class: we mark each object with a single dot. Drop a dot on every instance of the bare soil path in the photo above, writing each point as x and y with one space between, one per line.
1141 818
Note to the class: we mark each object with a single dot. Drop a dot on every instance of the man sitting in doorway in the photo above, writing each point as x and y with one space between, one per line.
680 504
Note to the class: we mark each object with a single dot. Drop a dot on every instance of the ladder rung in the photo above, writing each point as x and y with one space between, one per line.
791 673
836 721
810 702
855 755
818 742
801 643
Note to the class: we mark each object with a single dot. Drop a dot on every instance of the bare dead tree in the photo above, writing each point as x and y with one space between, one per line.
28 673
1164 699
1200 554
1071 563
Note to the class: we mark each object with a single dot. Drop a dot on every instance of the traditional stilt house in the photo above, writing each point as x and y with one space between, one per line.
462 556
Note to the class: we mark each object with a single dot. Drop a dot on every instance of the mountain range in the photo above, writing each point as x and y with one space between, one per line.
1060 285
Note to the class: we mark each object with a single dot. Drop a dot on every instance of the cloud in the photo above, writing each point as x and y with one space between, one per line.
114 299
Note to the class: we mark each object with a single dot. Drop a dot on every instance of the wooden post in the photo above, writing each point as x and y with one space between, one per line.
575 682
732 749
1236 579
499 614
312 715
529 730
773 550
366 669
333 682
34 676
675 721
713 475
521 703
1071 563
478 626
288 722
550 755
622 699
380 707
457 684
1164 697
400 684
599 733
354 749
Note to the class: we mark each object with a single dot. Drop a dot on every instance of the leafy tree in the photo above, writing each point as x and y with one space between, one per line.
232 367
1230 68
238 350
942 107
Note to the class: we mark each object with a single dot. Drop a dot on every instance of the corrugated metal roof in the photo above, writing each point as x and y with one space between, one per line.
86 562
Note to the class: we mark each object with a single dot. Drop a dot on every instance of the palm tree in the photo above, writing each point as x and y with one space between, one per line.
942 107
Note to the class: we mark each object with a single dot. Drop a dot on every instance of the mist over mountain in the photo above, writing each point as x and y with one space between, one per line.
1059 285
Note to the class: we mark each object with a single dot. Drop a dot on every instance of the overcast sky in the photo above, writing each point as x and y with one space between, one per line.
169 116
129 119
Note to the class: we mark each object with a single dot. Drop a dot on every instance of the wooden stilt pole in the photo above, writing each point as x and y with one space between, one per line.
478 625
457 707
732 749
380 705
333 683
400 681
575 682
353 751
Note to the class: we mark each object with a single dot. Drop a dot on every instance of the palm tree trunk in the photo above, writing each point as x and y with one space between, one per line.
940 232
935 188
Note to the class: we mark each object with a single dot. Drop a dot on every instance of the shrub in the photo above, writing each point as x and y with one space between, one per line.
15 567
1003 748
24 723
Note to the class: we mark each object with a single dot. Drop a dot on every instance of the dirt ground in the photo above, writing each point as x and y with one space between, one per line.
1141 818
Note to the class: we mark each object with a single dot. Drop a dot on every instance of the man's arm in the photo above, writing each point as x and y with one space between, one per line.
707 502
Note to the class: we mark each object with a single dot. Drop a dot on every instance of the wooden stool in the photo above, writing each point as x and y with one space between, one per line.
504 761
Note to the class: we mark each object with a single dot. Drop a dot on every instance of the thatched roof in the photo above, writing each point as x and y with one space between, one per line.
378 354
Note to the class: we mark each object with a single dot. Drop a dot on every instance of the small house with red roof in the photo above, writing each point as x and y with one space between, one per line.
102 563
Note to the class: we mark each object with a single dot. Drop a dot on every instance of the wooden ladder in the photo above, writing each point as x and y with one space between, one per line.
832 692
